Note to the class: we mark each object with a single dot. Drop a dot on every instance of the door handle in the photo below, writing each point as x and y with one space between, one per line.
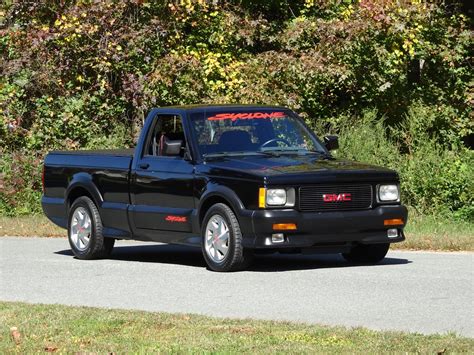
144 165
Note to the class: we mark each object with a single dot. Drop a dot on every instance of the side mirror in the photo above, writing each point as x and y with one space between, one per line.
172 147
331 142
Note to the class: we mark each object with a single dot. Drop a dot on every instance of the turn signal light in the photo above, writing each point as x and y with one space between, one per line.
261 197
284 227
393 222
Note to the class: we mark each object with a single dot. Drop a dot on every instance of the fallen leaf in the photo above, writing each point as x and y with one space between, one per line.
15 334
50 349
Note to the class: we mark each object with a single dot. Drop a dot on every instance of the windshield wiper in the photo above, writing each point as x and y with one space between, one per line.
292 150
324 155
277 151
230 154
280 149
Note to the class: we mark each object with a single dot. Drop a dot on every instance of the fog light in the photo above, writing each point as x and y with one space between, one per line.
392 233
278 238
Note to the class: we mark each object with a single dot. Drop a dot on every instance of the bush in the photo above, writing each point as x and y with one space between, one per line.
20 183
434 180
75 72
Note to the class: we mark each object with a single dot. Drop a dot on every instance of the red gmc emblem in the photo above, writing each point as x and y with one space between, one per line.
337 197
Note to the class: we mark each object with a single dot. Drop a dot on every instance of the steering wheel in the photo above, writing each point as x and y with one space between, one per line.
275 140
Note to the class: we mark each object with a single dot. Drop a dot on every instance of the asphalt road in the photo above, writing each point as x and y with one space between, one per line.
412 291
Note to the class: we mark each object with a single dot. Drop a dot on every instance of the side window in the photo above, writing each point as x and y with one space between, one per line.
166 137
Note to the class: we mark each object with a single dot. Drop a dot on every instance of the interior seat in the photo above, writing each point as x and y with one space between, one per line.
233 141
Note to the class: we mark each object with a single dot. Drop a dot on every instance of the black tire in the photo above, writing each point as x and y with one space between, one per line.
237 257
367 253
98 246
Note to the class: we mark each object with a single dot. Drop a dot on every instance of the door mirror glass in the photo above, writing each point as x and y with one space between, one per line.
331 142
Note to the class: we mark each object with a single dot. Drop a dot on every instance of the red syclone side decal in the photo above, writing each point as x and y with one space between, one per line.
337 198
245 116
179 219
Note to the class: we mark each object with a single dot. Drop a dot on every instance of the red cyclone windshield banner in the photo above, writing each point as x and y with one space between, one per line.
245 116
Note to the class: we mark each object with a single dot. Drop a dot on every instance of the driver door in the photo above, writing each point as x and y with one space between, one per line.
162 185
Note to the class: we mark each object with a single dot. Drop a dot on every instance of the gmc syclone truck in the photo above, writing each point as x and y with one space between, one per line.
233 180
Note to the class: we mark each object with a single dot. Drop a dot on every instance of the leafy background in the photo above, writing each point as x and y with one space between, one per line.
393 78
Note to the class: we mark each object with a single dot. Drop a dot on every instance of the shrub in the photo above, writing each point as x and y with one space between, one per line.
74 72
434 180
20 182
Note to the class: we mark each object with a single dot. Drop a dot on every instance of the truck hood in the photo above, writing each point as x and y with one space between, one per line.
290 169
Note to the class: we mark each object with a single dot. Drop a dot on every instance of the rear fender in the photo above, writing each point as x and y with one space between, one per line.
83 181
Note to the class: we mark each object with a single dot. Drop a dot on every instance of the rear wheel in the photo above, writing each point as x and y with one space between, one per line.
222 240
367 253
85 231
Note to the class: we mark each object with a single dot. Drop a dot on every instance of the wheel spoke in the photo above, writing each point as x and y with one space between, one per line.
88 222
82 239
222 248
209 235
80 216
222 228
87 229
223 236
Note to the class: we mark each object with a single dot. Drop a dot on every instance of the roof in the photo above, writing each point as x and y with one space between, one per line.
198 108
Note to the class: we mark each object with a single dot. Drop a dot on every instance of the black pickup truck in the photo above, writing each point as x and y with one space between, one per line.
233 180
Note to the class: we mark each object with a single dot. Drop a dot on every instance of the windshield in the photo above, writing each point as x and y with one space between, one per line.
252 132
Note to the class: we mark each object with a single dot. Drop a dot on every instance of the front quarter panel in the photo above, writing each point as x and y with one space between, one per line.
240 194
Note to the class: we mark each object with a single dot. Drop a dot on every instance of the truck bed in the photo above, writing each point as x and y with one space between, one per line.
104 174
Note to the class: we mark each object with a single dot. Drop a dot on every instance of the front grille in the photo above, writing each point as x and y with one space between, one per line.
312 198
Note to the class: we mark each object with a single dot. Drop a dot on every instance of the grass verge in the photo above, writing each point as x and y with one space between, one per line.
84 330
423 232
437 233
28 226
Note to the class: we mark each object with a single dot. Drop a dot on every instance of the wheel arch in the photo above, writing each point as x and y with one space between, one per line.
223 195
82 185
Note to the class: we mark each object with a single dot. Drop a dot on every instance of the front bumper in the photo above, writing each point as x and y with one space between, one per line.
325 229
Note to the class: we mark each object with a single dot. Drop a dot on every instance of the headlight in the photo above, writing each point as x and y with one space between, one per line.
389 193
276 197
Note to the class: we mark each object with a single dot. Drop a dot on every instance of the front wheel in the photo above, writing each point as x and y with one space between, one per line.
85 231
367 253
222 240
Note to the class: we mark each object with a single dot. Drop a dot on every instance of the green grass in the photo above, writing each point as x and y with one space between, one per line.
423 232
82 329
438 233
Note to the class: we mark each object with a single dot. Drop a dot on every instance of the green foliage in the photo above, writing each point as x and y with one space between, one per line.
81 74
433 180
20 183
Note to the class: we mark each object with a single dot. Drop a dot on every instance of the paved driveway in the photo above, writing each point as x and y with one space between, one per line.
413 291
